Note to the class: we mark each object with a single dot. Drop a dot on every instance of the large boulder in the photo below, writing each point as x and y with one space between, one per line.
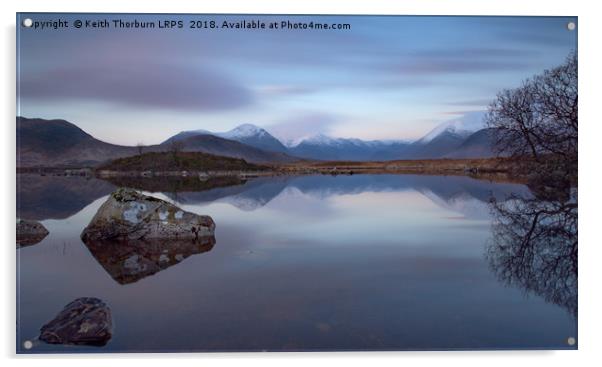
30 232
130 215
85 321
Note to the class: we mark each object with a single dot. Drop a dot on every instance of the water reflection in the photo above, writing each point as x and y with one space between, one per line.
129 261
370 262
534 246
57 197
175 185
250 195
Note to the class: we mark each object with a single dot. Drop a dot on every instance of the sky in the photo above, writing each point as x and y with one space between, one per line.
387 77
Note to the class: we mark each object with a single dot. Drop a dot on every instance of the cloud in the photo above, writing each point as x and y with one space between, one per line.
472 102
145 85
462 61
284 90
302 125
459 66
460 113
475 52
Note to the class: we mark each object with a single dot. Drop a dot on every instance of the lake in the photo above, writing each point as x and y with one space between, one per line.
315 263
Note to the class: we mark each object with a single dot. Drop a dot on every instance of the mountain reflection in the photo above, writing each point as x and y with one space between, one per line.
129 261
51 197
252 194
57 197
534 247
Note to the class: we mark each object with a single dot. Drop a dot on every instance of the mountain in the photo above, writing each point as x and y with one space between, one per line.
212 144
319 147
439 142
255 137
187 134
60 143
439 146
247 134
462 126
52 143
323 147
478 145
446 138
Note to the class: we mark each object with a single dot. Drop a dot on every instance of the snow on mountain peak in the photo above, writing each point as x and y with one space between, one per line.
465 125
243 131
320 139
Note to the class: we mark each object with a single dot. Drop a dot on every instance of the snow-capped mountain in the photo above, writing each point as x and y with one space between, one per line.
462 126
442 141
246 133
321 139
254 136
447 137
328 148
478 145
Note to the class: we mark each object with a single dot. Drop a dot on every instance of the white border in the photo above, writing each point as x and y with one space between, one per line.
589 177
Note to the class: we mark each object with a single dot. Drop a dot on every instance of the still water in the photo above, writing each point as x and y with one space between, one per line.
363 262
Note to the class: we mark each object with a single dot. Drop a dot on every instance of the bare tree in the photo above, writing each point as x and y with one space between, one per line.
140 147
534 246
538 120
534 241
175 147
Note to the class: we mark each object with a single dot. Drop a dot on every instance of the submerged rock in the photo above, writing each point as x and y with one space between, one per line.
129 261
129 215
30 232
85 321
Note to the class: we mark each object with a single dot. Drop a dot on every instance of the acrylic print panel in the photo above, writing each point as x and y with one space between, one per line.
202 183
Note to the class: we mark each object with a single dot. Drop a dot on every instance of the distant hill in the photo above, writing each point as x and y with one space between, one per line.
437 147
256 137
60 143
450 142
228 148
477 145
461 126
445 138
440 142
180 161
247 134
322 147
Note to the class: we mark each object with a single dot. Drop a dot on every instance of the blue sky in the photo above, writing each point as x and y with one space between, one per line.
385 78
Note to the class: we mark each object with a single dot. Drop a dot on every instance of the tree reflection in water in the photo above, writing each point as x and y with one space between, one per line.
534 246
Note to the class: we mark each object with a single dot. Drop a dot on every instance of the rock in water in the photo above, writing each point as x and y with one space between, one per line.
30 232
129 215
85 321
